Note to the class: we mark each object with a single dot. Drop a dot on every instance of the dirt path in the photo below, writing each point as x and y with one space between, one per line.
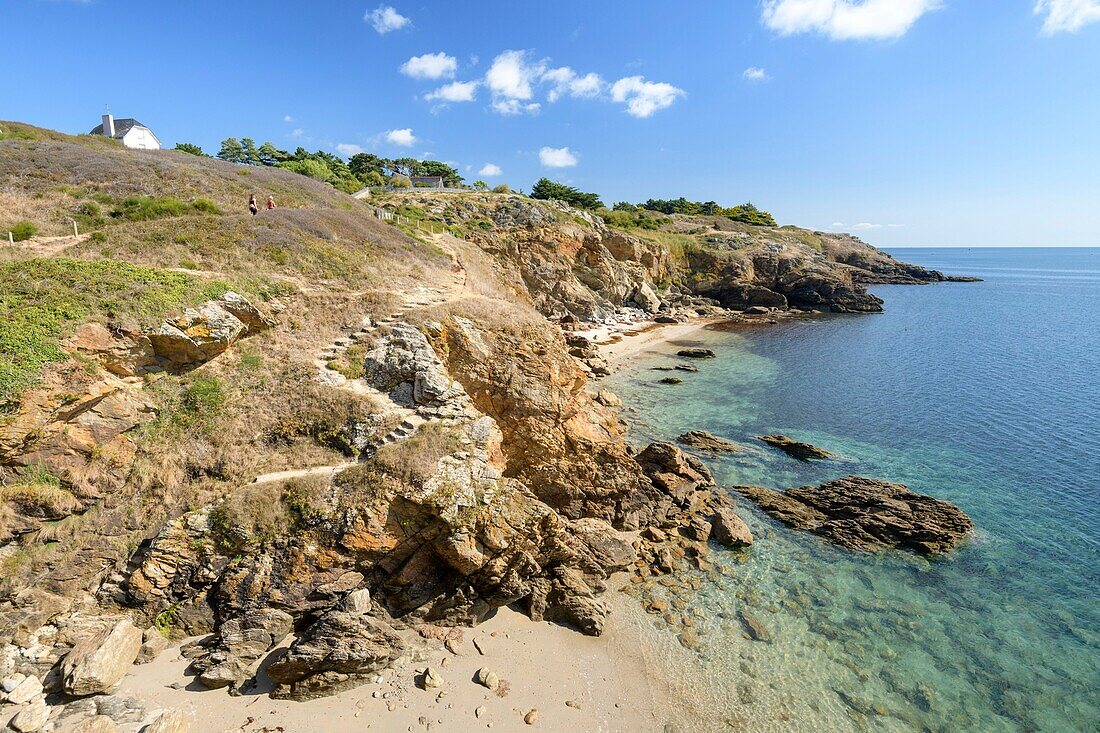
48 246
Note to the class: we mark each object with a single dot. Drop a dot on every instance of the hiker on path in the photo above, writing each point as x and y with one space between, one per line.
252 207
270 203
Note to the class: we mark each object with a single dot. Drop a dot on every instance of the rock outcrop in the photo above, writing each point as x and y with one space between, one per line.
794 448
860 513
703 441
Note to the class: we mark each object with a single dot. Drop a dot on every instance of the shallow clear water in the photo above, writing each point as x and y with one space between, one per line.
985 394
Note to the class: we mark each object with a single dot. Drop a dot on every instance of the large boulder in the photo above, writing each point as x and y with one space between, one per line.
671 470
861 513
336 652
170 721
98 663
202 333
239 645
728 529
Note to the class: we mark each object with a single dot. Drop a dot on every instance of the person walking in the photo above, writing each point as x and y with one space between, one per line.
252 207
270 203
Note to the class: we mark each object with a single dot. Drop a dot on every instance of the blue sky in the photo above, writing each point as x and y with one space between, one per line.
910 122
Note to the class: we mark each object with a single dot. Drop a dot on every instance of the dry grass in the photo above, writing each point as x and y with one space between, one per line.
255 515
414 459
40 499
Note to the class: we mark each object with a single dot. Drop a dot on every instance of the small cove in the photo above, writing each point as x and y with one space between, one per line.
984 394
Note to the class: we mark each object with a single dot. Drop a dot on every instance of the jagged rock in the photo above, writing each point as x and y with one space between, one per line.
702 440
608 398
794 448
96 724
337 651
239 644
861 513
170 721
126 352
405 365
673 471
202 333
358 601
696 353
645 298
98 663
757 310
25 690
730 530
31 717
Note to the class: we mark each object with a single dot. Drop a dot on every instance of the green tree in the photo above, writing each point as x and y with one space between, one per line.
271 155
502 188
232 150
250 153
190 149
623 206
362 164
546 189
404 167
481 185
436 168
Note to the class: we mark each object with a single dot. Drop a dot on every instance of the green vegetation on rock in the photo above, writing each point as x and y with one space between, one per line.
40 299
549 190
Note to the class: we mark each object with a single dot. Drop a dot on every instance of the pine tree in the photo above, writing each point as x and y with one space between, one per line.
232 151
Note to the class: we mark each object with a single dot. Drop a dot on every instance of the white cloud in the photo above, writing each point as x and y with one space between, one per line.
403 137
297 132
511 79
490 169
348 149
515 107
643 98
288 118
459 91
845 19
566 82
557 157
755 73
430 66
1067 16
385 19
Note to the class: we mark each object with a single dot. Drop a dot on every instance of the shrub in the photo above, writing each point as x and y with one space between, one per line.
147 208
204 396
254 516
190 149
311 168
89 215
502 188
23 230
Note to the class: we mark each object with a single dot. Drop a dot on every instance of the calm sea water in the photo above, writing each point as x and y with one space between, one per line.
985 394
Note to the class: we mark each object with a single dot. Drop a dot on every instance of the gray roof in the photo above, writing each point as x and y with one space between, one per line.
122 126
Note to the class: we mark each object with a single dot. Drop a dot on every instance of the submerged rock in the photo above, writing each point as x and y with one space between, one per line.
702 440
794 448
696 353
861 513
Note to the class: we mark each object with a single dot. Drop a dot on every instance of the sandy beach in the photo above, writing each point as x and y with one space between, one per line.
576 683
617 343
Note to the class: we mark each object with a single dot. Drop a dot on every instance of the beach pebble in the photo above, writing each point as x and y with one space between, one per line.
532 716
431 679
488 678
479 711
573 704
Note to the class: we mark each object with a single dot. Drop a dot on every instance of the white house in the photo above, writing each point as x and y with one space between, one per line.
132 133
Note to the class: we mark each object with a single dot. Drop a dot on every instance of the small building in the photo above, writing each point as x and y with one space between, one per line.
132 133
426 181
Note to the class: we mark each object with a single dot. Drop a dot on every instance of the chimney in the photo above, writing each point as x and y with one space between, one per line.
108 125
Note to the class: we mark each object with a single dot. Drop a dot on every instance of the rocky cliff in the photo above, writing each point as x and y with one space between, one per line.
318 425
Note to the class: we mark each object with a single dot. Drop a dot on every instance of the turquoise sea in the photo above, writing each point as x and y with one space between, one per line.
985 394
